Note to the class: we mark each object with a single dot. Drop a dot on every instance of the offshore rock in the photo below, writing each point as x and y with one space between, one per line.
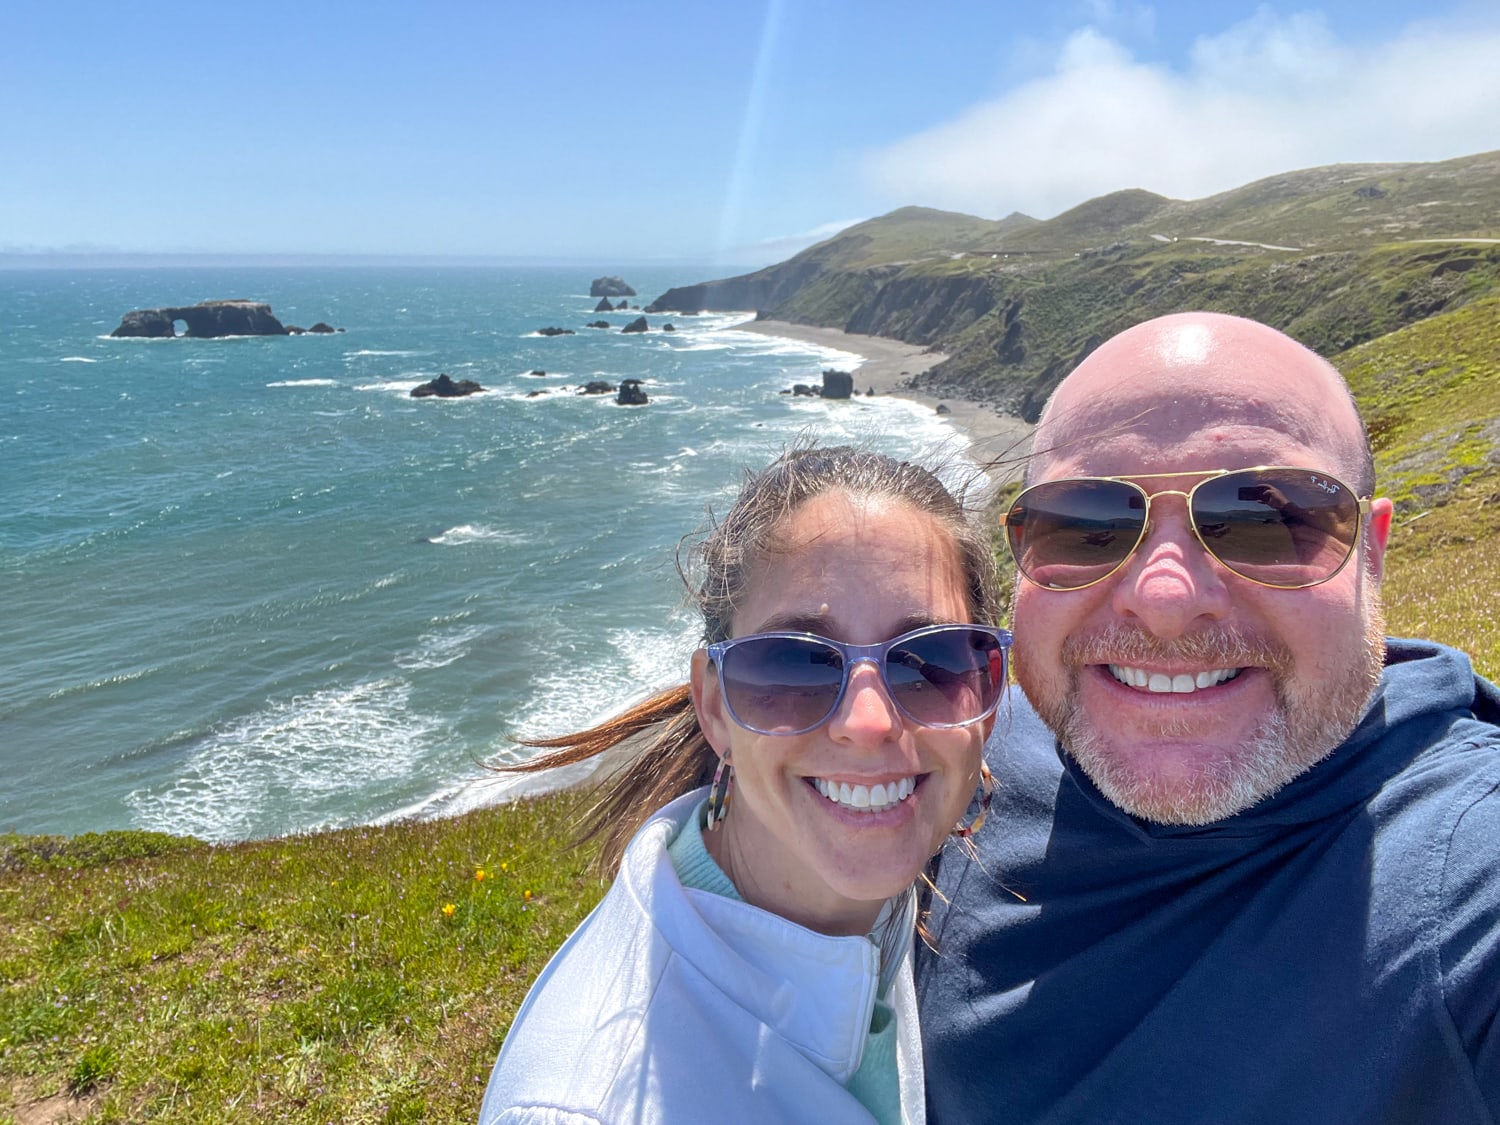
206 320
555 332
610 287
444 387
837 384
637 325
605 306
631 393
597 387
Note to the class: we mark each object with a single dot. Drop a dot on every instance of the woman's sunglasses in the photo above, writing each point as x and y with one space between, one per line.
1280 527
791 683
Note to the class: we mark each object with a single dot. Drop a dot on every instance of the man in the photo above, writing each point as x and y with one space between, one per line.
1255 877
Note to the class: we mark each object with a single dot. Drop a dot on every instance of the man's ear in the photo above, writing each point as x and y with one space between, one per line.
708 702
1382 511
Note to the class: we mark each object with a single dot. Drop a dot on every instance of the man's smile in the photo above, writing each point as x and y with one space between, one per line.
1179 683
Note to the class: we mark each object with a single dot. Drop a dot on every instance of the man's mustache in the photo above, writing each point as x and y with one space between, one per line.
1214 646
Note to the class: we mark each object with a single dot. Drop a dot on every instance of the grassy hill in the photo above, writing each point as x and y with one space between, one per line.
1430 394
1335 256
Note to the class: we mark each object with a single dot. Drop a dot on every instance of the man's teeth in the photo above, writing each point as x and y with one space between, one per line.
1181 684
872 798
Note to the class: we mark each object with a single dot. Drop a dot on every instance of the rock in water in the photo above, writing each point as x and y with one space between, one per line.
637 325
444 387
631 393
206 320
837 384
610 287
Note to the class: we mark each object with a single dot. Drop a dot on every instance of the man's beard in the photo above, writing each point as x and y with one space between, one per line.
1310 719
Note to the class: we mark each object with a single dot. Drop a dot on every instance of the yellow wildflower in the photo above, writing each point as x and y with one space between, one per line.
526 894
448 909
479 875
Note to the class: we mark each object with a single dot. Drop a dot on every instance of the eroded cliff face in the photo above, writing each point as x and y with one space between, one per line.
206 320
752 292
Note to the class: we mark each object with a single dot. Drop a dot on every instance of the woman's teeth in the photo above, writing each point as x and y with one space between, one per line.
870 798
1180 684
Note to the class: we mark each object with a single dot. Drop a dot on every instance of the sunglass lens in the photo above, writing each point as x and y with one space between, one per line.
946 677
1067 534
1281 527
782 684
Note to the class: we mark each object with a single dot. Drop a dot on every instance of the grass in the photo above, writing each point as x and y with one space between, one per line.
1430 394
365 975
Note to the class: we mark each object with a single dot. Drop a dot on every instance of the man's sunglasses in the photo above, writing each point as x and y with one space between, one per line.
791 683
1280 527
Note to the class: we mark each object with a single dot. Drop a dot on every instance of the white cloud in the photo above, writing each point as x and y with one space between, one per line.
1268 95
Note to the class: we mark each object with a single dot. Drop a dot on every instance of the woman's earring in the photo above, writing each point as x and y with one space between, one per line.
985 793
719 792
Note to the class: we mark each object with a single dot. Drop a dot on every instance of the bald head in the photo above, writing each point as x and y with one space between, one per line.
1208 381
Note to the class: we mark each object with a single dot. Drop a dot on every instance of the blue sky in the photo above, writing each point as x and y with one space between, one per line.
688 132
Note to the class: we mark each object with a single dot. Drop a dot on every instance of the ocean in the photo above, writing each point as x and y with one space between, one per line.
250 587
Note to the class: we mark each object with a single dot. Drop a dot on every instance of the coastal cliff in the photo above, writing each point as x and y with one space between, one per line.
1334 256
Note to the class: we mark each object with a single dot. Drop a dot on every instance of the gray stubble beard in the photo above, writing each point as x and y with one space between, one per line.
1288 741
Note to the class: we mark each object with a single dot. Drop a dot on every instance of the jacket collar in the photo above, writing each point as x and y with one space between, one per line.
815 991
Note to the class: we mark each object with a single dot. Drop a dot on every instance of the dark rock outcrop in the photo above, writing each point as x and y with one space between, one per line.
597 324
604 306
837 384
610 287
597 387
206 320
637 325
444 387
555 332
669 327
631 393
323 328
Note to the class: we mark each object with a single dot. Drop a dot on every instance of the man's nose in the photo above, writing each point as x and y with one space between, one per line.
1170 584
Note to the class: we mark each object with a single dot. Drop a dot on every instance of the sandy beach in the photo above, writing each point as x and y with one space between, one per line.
887 366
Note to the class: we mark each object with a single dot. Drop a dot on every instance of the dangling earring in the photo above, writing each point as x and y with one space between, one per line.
719 793
985 792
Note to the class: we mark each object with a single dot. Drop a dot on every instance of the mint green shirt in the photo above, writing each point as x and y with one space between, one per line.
875 1083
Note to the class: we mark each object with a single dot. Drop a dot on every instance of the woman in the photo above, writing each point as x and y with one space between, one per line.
751 960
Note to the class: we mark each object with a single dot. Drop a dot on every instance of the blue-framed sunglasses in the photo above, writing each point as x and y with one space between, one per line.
791 683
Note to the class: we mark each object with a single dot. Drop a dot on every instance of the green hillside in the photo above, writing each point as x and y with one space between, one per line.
1431 397
1335 256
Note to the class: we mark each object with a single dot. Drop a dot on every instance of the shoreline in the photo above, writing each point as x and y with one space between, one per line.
888 364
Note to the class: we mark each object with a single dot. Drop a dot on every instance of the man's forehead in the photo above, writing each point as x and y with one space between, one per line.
1122 435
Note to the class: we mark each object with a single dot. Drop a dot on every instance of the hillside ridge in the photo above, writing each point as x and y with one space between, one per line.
1335 255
